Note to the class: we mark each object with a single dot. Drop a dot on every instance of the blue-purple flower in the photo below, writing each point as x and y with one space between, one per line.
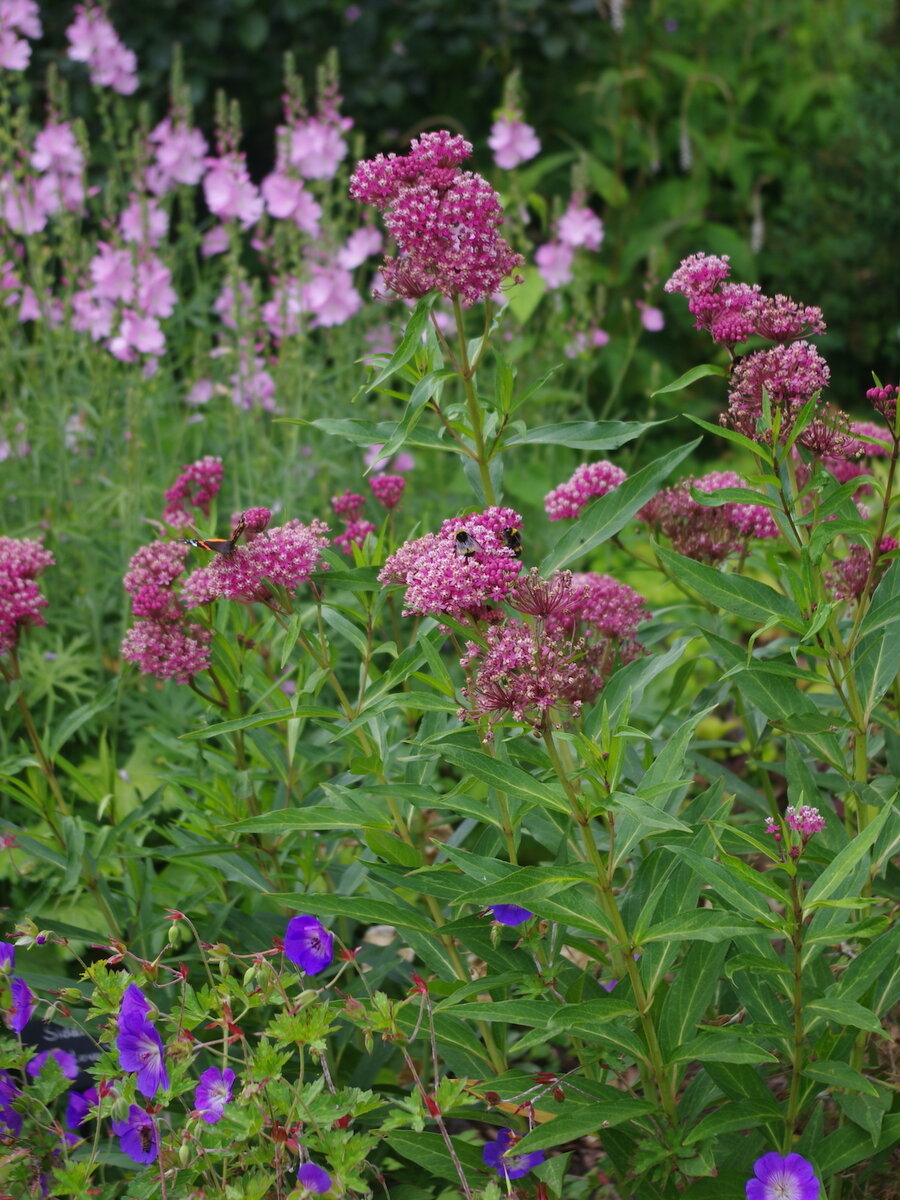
67 1063
313 1178
308 944
778 1178
501 1156
8 1115
7 957
140 1046
511 914
79 1107
213 1092
137 1135
24 1002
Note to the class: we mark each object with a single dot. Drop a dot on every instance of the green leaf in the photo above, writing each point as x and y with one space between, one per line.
691 376
876 657
700 924
410 343
784 704
689 995
583 435
526 296
730 1118
431 1156
356 908
725 1046
258 720
841 1013
838 874
311 819
839 1075
583 1120
736 594
610 513
731 435
506 778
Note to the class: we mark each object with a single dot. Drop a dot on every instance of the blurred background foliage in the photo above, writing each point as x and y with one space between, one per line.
760 128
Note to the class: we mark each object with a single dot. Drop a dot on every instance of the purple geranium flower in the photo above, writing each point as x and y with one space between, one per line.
509 1165
7 956
140 1049
779 1178
134 1005
313 1178
308 944
8 1115
24 1003
137 1135
213 1093
67 1063
511 914
79 1107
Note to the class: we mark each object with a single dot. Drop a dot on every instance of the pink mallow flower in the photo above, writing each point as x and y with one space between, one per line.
460 570
143 221
580 226
587 481
554 263
316 146
230 193
94 41
21 601
512 141
17 17
180 156
360 245
329 296
287 199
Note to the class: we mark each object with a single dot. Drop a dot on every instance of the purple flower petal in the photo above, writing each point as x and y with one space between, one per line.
137 1135
779 1178
141 1050
67 1063
511 1166
511 914
79 1107
308 944
213 1092
24 1003
313 1178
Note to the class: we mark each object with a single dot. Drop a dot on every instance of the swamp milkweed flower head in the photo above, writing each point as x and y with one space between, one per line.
285 557
387 489
603 615
851 574
21 600
308 944
444 221
780 1178
884 400
137 1135
587 481
501 1155
212 1093
707 534
459 570
196 487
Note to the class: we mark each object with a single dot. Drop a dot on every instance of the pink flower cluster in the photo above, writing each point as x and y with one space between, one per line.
130 292
19 19
162 642
93 40
512 141
588 481
21 601
788 374
884 400
349 507
179 156
196 487
604 614
59 183
804 820
706 534
282 558
461 570
578 227
444 221
387 489
851 574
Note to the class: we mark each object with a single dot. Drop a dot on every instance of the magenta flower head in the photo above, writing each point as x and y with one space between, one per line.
308 944
67 1063
212 1093
444 221
511 914
778 1178
313 1179
21 561
285 556
466 566
388 489
196 487
137 1135
24 1002
502 1157
589 480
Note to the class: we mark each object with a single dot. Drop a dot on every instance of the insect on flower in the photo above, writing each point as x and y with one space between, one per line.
465 545
512 540
218 545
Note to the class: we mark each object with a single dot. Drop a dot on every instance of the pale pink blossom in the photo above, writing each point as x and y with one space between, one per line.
142 220
180 156
512 141
287 199
229 191
316 148
652 318
23 210
329 295
360 245
554 263
94 41
214 242
580 226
